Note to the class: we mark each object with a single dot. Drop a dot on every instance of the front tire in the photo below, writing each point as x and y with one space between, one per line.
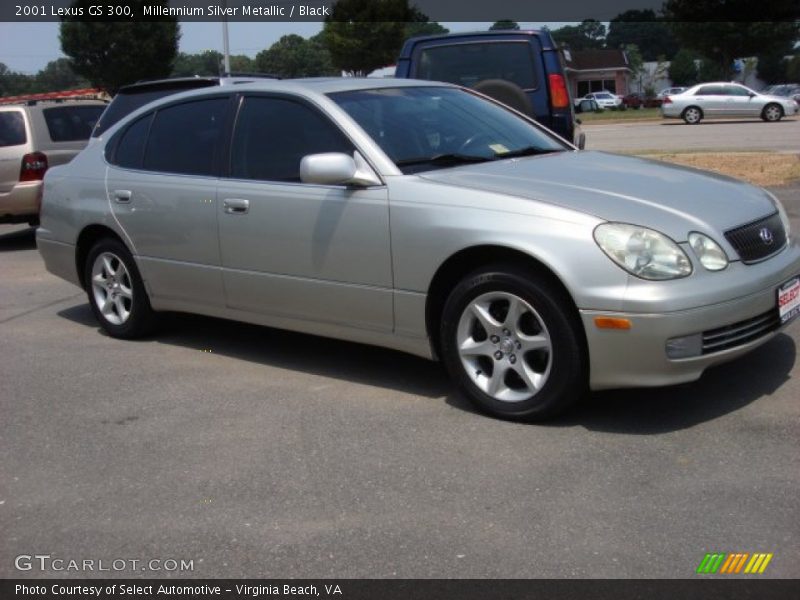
772 113
512 343
116 291
692 115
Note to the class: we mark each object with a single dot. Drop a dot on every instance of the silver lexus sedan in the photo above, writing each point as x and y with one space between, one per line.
426 218
725 100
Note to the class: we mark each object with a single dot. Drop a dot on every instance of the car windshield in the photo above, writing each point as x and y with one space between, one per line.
604 96
424 128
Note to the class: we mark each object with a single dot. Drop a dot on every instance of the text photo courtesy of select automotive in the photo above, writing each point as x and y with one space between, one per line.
399 298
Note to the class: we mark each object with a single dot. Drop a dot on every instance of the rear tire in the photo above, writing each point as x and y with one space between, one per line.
692 115
511 342
116 291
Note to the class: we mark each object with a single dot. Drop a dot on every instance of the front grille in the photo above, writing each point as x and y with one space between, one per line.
758 240
738 334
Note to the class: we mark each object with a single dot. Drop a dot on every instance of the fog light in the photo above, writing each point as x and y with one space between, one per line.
685 347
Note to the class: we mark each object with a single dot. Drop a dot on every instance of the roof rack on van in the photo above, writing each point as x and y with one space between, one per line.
93 94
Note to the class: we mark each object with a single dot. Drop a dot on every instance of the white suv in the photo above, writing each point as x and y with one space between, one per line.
33 137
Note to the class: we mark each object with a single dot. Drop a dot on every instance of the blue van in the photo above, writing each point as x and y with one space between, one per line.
522 69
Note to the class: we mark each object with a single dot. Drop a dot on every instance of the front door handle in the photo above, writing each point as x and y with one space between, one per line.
236 206
123 196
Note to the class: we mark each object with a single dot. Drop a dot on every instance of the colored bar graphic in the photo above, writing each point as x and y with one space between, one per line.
732 563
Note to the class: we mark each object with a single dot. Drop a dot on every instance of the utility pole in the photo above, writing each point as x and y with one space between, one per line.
226 54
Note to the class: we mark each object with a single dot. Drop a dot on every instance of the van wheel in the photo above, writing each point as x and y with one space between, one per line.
512 344
116 292
692 115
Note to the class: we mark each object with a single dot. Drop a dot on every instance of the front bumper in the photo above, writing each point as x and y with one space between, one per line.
637 357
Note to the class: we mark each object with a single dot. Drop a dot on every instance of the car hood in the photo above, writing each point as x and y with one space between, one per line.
671 198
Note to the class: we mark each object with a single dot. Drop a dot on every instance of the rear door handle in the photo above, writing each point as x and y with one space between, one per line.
236 206
123 195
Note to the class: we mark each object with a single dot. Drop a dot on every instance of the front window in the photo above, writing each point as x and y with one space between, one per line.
423 128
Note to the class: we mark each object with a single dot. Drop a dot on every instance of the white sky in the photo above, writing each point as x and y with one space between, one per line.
27 47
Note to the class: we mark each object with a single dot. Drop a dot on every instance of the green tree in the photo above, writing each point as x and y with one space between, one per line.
57 76
295 56
683 69
208 62
364 35
772 65
700 25
793 69
112 54
504 24
420 25
652 36
635 61
13 83
589 34
241 63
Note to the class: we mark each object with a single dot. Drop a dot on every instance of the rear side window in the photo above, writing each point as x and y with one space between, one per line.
468 64
185 138
273 135
12 129
71 123
130 149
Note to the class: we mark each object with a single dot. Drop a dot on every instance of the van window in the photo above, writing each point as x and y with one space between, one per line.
467 64
12 129
185 138
71 123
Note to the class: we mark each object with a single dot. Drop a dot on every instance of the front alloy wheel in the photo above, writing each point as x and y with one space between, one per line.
772 113
504 346
513 342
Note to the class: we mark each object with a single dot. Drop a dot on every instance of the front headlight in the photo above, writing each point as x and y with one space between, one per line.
643 252
708 252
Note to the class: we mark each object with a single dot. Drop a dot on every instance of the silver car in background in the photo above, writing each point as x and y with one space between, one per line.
720 100
429 219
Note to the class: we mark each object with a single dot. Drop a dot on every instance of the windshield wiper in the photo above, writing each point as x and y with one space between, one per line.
443 159
526 151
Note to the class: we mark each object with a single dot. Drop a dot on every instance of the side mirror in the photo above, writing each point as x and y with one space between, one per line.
587 105
336 168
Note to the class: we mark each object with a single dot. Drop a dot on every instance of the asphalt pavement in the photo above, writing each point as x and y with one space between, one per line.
261 453
670 135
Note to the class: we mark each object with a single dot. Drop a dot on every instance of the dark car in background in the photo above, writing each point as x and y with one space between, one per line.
522 69
639 100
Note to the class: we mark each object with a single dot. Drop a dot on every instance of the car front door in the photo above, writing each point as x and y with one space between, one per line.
739 102
161 186
293 250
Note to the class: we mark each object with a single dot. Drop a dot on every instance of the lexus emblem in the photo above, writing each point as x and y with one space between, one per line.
766 236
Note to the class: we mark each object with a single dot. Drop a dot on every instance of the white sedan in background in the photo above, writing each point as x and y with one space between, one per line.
604 99
722 100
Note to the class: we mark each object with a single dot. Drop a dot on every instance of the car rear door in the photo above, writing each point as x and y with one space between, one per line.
711 99
293 250
161 186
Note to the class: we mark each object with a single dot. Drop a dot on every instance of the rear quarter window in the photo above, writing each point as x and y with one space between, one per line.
71 123
12 129
469 63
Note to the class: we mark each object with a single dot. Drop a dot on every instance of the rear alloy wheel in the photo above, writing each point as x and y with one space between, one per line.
512 344
116 292
692 115
772 113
